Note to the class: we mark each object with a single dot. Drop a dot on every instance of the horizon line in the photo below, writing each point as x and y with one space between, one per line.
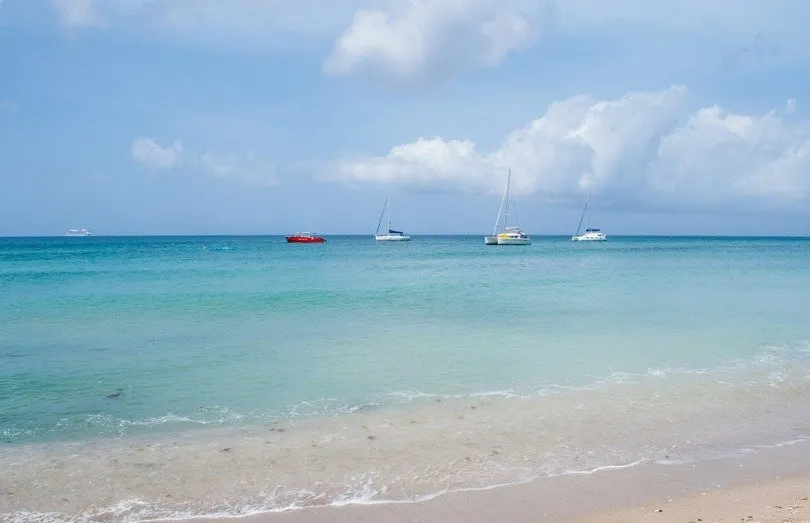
275 234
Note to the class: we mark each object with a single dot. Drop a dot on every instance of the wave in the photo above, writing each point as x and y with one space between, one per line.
370 488
775 366
358 490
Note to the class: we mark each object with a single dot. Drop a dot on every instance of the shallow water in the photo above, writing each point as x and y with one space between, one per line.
355 370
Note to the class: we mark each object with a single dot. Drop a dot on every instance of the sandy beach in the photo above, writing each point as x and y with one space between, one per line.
769 486
784 499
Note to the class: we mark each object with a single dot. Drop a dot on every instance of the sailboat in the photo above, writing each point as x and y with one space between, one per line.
509 235
391 235
589 235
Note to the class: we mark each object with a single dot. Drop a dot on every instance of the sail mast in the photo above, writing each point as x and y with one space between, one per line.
389 215
583 215
500 209
381 216
506 211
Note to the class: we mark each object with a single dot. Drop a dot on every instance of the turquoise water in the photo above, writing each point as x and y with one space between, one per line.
110 346
238 329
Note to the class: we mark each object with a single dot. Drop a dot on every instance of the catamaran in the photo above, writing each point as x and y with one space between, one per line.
391 235
509 235
590 234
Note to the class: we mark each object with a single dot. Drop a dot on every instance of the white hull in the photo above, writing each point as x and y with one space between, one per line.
589 238
590 235
514 241
490 240
392 238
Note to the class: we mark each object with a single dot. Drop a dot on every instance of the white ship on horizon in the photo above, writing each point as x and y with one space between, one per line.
591 233
78 232
391 235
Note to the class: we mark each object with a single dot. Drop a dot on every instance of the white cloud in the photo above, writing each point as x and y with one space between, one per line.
409 39
404 38
419 37
151 154
245 168
257 19
646 149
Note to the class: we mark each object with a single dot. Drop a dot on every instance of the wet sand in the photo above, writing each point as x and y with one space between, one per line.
768 486
581 453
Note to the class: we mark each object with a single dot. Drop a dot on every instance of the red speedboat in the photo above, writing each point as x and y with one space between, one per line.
304 237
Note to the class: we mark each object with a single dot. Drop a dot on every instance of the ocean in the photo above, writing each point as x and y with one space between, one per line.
178 377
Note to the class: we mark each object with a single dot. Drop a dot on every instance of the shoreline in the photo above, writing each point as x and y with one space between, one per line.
768 486
479 459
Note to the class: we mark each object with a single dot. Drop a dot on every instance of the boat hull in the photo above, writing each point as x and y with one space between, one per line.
588 238
514 241
392 238
490 240
305 239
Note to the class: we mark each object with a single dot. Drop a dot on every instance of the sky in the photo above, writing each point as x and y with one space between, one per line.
275 116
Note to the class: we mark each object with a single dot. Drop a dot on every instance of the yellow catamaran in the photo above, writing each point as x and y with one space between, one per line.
508 235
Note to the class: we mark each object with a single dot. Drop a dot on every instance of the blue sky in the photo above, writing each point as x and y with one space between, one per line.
254 117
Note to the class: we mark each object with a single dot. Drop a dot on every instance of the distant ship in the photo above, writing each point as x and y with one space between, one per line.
391 235
78 232
591 234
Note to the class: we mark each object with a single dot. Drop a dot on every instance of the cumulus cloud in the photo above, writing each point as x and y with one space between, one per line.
258 19
417 39
406 39
420 37
646 149
148 152
245 168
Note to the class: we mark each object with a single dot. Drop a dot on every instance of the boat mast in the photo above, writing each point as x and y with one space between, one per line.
381 216
506 211
583 215
504 199
389 216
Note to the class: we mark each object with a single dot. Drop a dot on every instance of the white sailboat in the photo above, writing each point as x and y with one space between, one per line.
509 235
390 235
590 234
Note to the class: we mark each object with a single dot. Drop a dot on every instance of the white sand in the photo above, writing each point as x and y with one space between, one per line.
771 486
